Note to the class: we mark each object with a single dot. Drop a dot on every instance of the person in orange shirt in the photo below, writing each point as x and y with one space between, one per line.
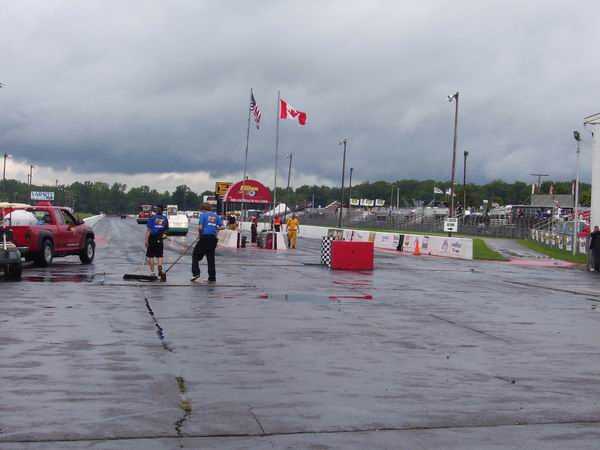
277 223
293 226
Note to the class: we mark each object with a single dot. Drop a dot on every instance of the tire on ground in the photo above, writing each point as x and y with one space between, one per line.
88 251
44 258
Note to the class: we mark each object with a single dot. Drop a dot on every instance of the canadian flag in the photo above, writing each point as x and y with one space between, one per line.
288 112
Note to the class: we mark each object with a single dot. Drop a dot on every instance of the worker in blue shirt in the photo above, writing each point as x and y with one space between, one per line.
209 224
156 227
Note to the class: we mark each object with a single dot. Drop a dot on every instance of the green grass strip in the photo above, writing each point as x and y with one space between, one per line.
482 251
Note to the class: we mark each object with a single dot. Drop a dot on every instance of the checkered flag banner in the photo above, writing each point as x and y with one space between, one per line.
326 251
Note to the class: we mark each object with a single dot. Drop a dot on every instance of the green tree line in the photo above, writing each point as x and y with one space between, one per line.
94 197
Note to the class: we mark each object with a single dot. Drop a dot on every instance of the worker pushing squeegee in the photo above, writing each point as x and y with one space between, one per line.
156 228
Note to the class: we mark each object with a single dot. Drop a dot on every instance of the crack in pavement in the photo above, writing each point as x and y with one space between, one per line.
466 327
185 405
253 414
306 432
159 330
551 288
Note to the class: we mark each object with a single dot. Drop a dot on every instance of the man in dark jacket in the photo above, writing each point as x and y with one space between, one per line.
595 247
209 225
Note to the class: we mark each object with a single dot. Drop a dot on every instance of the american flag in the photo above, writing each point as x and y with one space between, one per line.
255 110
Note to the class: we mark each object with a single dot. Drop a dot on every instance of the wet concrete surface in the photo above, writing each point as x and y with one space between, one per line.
421 353
510 248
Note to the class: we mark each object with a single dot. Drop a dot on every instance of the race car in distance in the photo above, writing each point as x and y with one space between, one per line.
145 213
43 232
178 221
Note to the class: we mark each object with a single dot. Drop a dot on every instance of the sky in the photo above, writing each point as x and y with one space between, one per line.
154 92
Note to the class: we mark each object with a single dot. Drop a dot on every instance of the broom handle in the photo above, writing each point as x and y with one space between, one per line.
182 255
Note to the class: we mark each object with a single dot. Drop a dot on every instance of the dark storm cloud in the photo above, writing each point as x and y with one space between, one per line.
144 86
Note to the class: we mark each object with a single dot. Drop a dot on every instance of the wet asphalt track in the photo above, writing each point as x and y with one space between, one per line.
422 353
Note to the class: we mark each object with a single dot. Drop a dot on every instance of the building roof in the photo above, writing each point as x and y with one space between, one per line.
549 201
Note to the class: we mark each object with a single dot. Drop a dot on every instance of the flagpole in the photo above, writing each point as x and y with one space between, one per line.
275 173
246 161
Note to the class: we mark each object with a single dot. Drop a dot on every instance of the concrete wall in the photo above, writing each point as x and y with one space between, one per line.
461 248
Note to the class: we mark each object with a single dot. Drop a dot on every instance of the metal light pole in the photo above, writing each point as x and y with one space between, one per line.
343 142
4 168
30 178
350 190
287 190
465 154
577 137
6 156
455 99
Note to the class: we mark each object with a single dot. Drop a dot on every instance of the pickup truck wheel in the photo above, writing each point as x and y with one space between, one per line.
88 252
13 272
44 258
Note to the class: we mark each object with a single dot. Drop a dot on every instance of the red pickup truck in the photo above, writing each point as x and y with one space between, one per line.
56 232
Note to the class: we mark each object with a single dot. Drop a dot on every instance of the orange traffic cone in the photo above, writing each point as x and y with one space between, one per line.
417 251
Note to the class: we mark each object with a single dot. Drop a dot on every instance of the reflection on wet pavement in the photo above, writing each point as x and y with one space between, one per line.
282 354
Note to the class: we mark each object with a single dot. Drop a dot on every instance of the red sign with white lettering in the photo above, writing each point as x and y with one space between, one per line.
249 191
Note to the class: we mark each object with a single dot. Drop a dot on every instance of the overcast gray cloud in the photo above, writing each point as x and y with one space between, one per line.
101 87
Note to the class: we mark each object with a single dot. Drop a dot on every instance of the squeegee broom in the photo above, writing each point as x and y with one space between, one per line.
140 277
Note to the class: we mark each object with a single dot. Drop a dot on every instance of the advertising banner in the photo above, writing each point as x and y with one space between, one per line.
221 187
42 196
439 246
249 191
388 241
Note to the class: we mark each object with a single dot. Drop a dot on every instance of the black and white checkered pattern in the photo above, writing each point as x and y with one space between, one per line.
326 251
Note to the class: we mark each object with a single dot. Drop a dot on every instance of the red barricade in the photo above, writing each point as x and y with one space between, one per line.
351 255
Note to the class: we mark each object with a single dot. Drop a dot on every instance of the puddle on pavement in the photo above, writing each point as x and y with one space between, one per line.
60 278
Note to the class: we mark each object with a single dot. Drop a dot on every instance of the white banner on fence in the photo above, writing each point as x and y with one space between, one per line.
560 241
461 248
450 247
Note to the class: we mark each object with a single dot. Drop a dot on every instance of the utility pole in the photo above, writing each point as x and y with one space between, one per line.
343 142
287 191
455 99
6 155
466 154
350 190
577 137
